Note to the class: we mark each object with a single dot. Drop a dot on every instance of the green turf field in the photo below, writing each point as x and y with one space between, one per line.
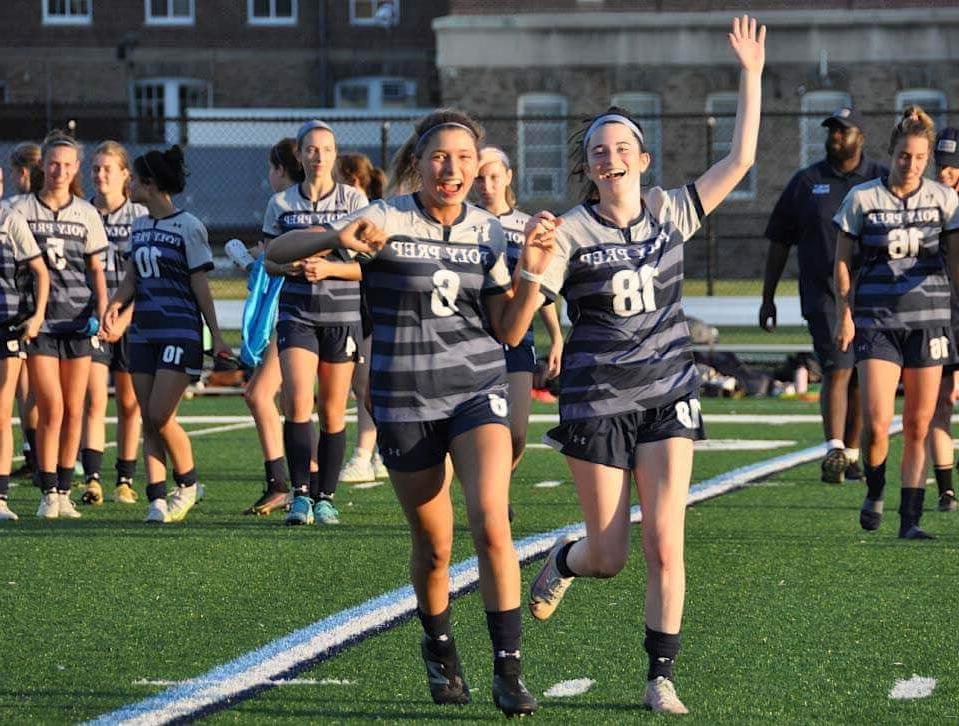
793 614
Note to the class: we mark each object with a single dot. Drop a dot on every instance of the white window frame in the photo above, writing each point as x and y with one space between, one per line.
66 18
647 108
171 101
374 91
721 146
273 18
816 106
373 20
169 18
527 173
923 97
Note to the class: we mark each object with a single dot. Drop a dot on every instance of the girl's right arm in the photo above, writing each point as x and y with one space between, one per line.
842 274
41 291
360 236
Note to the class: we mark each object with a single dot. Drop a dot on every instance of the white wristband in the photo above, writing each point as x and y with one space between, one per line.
530 276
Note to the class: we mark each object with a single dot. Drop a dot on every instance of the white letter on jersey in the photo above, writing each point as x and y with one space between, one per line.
633 291
446 286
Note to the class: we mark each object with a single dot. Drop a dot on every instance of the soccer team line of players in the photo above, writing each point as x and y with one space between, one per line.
441 301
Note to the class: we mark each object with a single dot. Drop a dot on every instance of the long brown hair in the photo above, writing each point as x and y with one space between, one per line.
404 177
357 169
28 155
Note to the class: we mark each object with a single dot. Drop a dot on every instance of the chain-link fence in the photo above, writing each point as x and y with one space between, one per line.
228 188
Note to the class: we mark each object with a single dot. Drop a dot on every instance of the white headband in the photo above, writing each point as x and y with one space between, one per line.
611 118
421 142
492 153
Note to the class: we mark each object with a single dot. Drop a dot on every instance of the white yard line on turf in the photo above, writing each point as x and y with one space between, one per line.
286 656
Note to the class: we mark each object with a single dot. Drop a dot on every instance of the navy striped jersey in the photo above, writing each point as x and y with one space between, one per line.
628 349
902 283
514 224
17 246
328 302
68 236
165 252
118 225
433 346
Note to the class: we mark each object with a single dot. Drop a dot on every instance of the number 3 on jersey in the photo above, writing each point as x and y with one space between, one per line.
633 291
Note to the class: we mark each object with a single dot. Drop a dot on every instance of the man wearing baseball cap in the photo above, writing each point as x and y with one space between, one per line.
803 217
940 431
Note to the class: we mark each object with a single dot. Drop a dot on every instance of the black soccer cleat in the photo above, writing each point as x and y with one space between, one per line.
510 694
834 466
947 501
445 674
853 472
914 532
870 514
268 502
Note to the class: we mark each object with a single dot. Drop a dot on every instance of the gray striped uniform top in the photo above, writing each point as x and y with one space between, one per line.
433 345
328 302
68 236
629 348
902 283
17 246
514 224
118 225
165 253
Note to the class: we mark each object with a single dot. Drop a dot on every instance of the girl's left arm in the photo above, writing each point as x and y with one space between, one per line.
200 286
749 45
99 280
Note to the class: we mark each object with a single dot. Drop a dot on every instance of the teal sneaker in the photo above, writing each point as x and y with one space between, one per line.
301 511
325 512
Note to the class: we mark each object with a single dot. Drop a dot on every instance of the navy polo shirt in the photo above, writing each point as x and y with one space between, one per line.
803 217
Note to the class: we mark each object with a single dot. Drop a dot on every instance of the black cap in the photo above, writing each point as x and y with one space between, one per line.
947 147
847 117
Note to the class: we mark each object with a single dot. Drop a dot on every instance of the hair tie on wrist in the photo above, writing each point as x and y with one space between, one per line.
530 276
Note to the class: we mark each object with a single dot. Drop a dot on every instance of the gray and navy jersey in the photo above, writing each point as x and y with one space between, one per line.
118 225
68 236
628 349
165 252
514 224
433 346
902 283
328 302
17 246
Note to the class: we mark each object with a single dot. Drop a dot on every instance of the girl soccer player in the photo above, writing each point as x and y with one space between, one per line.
71 234
898 321
438 379
166 277
941 449
628 390
285 171
318 331
18 248
110 173
496 196
365 464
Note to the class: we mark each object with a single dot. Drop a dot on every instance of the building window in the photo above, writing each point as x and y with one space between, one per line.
375 93
271 12
542 145
157 104
647 109
932 101
722 107
816 106
67 12
169 12
385 13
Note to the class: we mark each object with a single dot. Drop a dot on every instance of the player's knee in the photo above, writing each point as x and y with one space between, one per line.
608 563
662 557
433 553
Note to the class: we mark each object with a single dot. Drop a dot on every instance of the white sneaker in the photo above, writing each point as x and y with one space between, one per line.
182 502
67 510
379 468
49 506
547 589
7 514
157 513
661 696
358 469
239 255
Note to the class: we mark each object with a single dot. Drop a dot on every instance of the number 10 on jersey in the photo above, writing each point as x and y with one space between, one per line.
633 291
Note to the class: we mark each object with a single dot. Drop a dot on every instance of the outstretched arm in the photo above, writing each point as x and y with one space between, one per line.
721 178
361 236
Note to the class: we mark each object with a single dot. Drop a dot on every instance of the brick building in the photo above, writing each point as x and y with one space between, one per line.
670 62
148 59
